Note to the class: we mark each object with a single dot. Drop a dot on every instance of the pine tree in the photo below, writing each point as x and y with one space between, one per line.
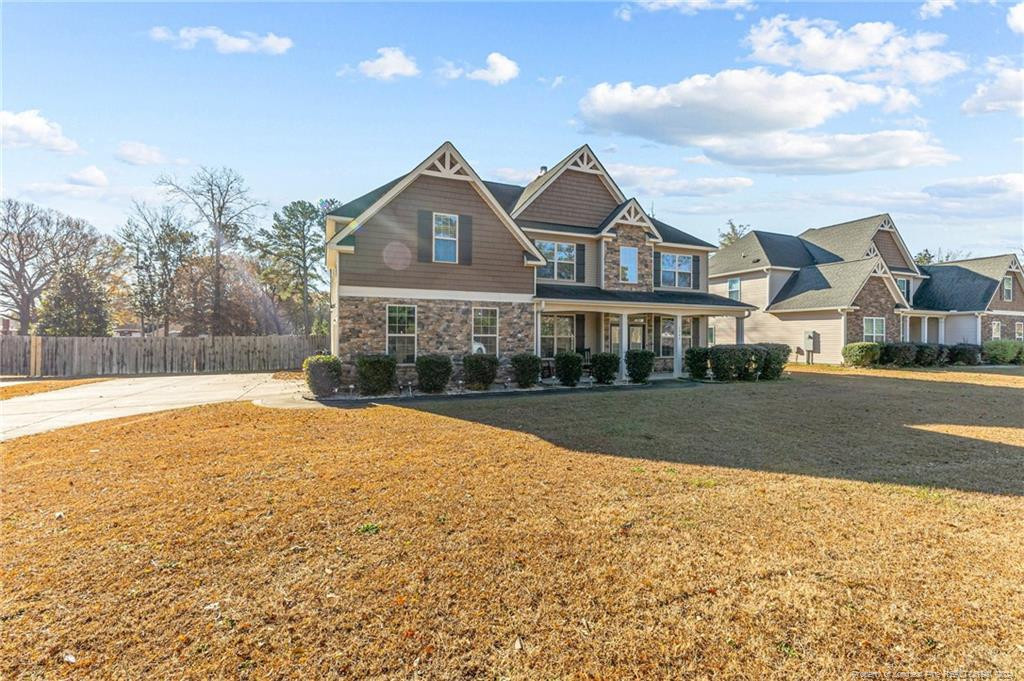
76 306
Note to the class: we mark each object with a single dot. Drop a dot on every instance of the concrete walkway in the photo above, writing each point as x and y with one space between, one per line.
128 396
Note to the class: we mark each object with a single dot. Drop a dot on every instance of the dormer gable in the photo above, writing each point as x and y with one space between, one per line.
629 212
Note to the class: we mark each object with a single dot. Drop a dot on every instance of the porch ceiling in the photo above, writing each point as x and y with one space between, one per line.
561 297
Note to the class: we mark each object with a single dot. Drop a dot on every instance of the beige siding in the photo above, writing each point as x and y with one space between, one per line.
887 247
753 287
575 198
765 327
386 246
961 328
591 263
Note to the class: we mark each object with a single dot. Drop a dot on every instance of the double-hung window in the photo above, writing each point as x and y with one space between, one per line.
485 331
401 333
904 286
711 335
628 269
677 270
734 288
1018 331
667 342
1007 288
874 329
561 259
997 330
446 238
557 334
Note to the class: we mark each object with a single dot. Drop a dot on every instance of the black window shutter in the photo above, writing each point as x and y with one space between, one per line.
425 235
696 272
695 332
465 239
656 345
581 331
581 262
657 268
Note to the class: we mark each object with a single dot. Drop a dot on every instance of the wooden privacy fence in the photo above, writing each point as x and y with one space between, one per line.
55 356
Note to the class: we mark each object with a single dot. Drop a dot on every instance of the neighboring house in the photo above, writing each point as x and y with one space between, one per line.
979 299
856 281
440 261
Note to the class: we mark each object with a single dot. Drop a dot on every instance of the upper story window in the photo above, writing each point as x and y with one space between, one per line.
677 270
1007 288
561 259
734 288
628 269
446 238
904 286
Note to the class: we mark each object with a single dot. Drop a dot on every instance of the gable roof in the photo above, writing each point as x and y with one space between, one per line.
965 285
629 212
358 205
843 241
672 235
828 285
761 249
581 159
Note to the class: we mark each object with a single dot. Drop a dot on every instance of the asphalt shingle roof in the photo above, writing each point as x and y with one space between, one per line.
760 249
966 285
823 286
597 294
554 227
844 241
672 235
356 206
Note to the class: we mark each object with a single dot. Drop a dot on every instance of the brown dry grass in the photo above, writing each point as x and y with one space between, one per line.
289 376
1001 377
22 388
234 541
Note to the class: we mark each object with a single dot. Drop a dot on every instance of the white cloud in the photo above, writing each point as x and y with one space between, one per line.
699 158
253 43
89 176
1003 92
1015 18
30 129
662 181
1009 185
391 63
516 175
870 50
500 70
552 83
932 9
140 154
625 12
449 71
984 196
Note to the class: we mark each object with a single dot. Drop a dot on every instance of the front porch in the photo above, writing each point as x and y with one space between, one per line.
920 326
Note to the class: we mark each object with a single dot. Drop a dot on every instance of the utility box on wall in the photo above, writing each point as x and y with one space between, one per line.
811 343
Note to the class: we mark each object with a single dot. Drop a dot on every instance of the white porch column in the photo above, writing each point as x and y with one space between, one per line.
924 329
677 356
536 331
623 344
906 327
942 329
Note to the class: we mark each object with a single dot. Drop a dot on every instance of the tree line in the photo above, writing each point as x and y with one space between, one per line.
205 260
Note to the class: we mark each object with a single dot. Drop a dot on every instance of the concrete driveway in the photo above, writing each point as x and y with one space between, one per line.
127 396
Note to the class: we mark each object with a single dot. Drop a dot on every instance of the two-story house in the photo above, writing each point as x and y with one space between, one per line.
856 281
440 261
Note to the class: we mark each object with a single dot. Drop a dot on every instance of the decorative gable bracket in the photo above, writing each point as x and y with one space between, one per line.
447 165
631 213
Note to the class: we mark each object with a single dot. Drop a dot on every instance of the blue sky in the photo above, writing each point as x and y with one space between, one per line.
780 115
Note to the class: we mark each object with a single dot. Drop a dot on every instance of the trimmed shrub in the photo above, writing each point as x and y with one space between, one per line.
861 354
898 354
965 353
568 367
1002 351
480 371
433 372
526 368
927 354
375 374
727 361
604 367
750 369
639 365
776 356
323 374
696 361
943 356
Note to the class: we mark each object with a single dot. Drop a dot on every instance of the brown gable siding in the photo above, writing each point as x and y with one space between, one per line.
497 256
1015 305
575 198
887 247
874 300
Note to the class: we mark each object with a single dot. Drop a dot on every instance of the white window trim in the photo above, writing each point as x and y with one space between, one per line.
672 353
497 329
676 270
997 330
636 252
1007 289
434 238
875 335
711 335
739 289
554 337
415 332
906 294
1018 331
555 261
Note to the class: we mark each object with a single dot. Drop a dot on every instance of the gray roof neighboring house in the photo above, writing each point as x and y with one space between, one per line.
599 295
843 241
966 285
758 249
828 285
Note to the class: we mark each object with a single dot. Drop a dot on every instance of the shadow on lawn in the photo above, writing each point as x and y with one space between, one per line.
855 427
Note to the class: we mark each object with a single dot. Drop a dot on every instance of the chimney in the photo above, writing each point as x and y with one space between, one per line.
543 169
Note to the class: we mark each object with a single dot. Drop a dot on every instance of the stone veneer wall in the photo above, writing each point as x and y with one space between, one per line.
1007 320
874 300
442 327
629 235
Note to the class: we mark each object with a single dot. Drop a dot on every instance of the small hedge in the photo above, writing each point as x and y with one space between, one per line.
433 372
927 354
375 374
776 356
568 367
1003 351
727 361
639 365
750 370
480 371
323 374
604 367
898 354
526 368
696 361
965 353
861 354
